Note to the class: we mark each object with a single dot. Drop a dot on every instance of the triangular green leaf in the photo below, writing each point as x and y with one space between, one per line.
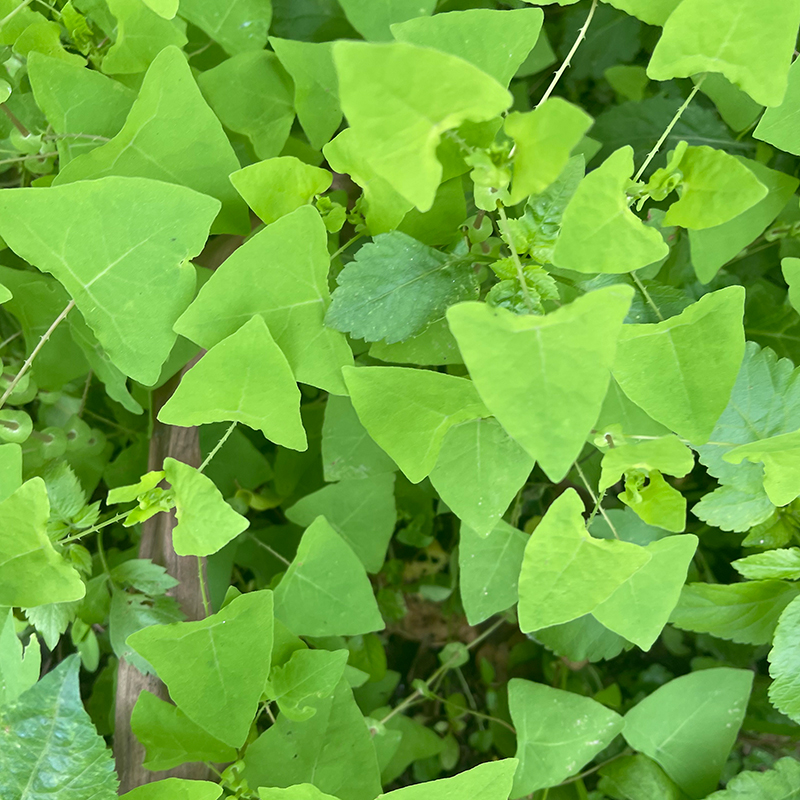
281 274
32 573
153 144
361 511
637 776
690 724
373 20
566 572
599 232
245 378
698 353
544 378
557 733
237 26
49 746
474 36
489 781
653 12
300 791
56 230
399 114
750 42
175 789
666 454
325 591
778 126
409 411
216 668
206 523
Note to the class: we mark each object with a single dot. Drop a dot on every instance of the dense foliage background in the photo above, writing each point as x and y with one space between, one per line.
399 397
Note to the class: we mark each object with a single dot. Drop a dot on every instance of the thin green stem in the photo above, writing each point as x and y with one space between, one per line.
673 122
582 775
563 68
203 591
347 244
218 446
101 552
27 365
475 713
643 289
515 257
272 552
595 499
14 12
13 117
10 339
100 525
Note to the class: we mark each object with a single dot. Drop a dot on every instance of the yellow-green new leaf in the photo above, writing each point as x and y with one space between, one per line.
409 411
544 378
32 573
544 139
658 503
245 378
399 114
325 591
780 456
558 733
475 34
153 143
281 275
716 188
599 232
206 523
698 353
215 669
56 230
566 572
751 42
277 186
666 454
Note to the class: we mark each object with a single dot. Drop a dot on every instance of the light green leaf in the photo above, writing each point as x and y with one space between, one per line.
79 103
791 273
778 126
489 781
781 782
361 511
141 36
750 42
474 36
544 139
698 353
10 470
171 738
245 378
131 492
582 639
714 247
409 411
237 26
252 94
566 572
746 613
690 724
784 693
175 789
783 563
153 144
300 791
277 186
736 107
489 568
599 231
479 471
307 675
280 274
32 573
666 454
396 287
55 229
164 8
206 523
640 608
348 452
215 669
384 208
333 750
557 733
716 187
373 20
325 591
18 671
399 114
635 777
653 12
62 756
657 503
544 378
316 87
780 456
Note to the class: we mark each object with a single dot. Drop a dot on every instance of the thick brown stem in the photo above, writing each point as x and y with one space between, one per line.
182 444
